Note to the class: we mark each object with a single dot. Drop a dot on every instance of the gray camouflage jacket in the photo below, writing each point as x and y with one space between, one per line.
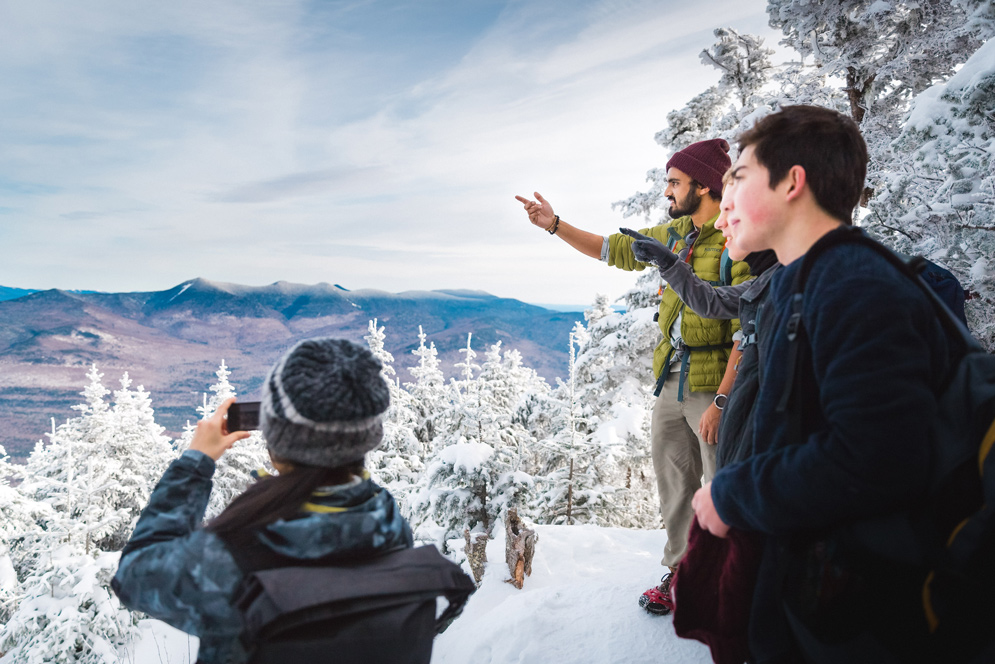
174 570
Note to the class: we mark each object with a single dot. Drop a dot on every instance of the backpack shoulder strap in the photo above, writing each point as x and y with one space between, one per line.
796 330
725 268
912 270
673 237
249 553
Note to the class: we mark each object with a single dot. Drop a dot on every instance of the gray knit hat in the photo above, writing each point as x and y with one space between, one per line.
323 403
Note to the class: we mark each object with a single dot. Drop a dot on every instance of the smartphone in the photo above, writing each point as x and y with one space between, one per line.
243 416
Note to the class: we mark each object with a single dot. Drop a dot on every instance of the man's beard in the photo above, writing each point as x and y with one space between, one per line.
687 206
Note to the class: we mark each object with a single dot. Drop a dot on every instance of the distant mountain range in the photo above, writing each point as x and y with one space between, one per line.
173 341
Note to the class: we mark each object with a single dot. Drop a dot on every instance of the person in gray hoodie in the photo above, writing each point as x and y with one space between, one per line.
743 301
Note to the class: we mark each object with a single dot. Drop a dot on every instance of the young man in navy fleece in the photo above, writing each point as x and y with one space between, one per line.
861 453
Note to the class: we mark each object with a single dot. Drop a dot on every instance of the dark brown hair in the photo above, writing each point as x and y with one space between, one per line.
714 195
827 144
275 497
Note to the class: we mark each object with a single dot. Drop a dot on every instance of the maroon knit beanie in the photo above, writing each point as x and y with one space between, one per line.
705 161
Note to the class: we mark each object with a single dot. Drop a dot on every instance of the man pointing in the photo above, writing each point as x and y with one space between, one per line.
690 363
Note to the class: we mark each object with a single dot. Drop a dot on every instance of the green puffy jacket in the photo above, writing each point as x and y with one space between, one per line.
707 367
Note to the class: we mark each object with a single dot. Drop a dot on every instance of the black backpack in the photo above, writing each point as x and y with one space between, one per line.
954 530
378 610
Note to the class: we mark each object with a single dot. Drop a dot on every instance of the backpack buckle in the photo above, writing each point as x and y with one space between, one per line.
793 324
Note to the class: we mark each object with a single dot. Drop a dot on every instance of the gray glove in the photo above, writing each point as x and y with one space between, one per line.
647 249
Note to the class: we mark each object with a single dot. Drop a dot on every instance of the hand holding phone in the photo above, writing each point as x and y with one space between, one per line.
211 437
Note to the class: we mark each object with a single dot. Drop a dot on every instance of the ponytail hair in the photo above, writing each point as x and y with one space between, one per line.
276 497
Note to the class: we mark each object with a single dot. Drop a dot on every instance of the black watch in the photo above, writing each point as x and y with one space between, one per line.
720 401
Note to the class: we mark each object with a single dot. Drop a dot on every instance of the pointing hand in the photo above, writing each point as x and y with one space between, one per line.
647 249
540 213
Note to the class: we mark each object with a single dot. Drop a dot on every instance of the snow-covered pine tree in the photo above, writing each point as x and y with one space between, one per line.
473 476
232 474
604 420
882 53
745 68
143 452
504 383
24 521
81 492
397 463
569 489
938 199
99 468
749 87
68 613
428 390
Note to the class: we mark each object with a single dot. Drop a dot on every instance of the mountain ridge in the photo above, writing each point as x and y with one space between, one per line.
172 341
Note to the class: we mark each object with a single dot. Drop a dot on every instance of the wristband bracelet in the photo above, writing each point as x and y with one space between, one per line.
553 226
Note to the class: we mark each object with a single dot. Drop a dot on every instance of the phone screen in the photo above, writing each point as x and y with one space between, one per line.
243 416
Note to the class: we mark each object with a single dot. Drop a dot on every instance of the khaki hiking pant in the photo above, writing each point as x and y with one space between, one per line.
680 459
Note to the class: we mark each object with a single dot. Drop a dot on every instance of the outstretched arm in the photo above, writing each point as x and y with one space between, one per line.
541 214
704 299
172 569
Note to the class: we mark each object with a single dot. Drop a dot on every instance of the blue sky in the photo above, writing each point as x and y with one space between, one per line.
371 144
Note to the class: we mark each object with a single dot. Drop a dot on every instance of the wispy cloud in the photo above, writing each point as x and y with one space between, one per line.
295 185
373 143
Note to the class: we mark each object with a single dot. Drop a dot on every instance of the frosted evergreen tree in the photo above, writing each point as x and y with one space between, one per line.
99 468
749 87
475 474
883 53
428 390
506 378
615 385
142 451
396 463
939 197
78 497
49 467
508 389
24 521
467 366
745 67
568 490
595 460
68 613
233 471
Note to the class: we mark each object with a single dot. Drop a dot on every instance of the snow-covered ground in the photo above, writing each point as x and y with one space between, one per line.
161 644
578 606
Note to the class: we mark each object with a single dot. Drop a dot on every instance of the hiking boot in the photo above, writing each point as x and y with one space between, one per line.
657 600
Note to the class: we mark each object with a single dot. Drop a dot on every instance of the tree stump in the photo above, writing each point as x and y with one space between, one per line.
476 553
520 545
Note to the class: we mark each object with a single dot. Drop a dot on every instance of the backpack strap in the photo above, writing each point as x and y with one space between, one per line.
800 350
725 268
685 366
252 555
673 237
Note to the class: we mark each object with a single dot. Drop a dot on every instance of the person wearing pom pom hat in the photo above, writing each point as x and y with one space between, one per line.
693 362
322 411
